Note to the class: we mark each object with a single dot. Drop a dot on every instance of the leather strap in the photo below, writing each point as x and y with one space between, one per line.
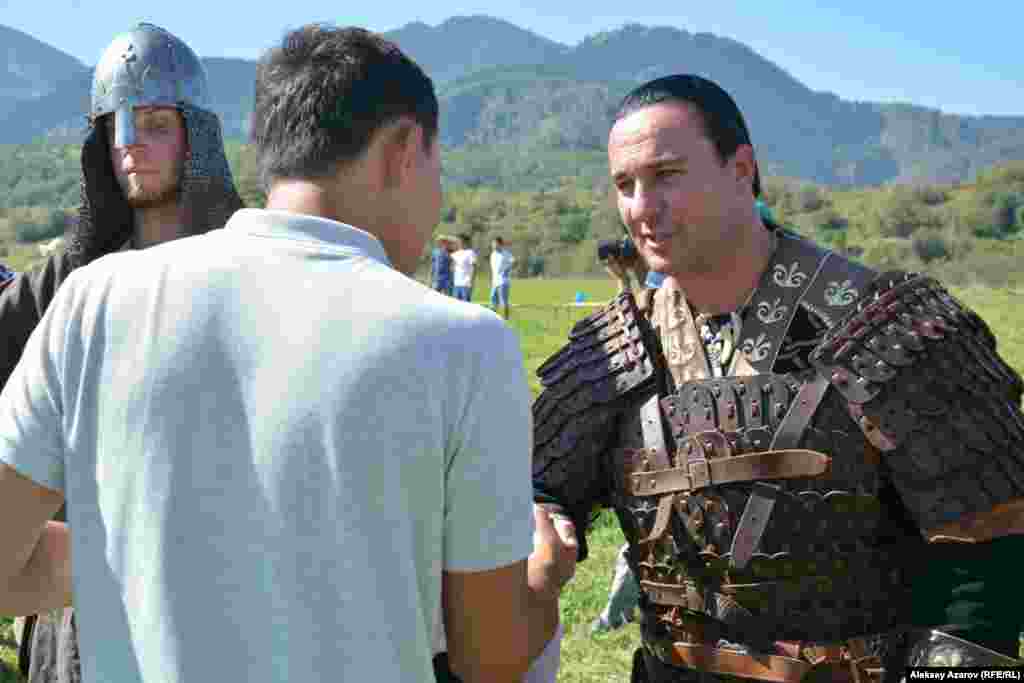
840 668
752 524
807 400
653 432
695 475
654 446
738 663
661 520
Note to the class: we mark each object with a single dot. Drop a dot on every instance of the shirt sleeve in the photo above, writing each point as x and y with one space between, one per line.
31 404
489 500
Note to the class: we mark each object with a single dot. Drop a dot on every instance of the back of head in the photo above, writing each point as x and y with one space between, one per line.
147 66
723 122
323 93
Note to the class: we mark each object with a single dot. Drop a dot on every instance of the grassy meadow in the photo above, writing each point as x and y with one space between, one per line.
542 315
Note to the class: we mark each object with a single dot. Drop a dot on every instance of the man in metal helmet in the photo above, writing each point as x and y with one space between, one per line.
153 170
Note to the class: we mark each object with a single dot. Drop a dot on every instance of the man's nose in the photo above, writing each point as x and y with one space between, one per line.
646 205
130 156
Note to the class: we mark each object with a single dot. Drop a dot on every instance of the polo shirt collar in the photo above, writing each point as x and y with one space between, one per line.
298 227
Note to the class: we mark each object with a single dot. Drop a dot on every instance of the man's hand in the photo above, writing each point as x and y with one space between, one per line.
498 622
553 561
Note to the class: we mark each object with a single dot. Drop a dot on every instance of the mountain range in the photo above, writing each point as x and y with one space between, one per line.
500 84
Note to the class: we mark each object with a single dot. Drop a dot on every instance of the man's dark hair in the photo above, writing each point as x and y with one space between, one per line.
722 120
465 238
323 93
500 241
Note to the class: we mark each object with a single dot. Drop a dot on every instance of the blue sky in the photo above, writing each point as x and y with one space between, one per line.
964 58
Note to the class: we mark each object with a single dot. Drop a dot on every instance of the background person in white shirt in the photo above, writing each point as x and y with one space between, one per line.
502 261
464 261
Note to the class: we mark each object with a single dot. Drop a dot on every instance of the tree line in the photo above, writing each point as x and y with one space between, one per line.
553 207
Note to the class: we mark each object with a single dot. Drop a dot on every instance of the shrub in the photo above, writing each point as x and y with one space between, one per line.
53 226
930 247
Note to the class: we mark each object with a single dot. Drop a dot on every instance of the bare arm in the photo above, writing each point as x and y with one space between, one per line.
35 553
497 622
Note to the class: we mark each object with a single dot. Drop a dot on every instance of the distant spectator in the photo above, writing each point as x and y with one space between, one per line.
441 266
501 274
465 269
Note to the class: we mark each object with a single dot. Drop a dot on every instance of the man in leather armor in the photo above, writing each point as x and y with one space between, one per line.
819 469
140 186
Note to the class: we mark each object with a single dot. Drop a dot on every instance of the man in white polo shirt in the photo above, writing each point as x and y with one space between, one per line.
270 480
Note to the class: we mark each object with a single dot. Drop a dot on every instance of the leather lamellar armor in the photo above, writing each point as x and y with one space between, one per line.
829 563
786 504
923 379
587 385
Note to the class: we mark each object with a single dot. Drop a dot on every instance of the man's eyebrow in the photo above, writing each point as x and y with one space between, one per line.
668 161
656 164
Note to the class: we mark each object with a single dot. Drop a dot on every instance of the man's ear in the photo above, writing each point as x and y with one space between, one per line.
745 166
400 145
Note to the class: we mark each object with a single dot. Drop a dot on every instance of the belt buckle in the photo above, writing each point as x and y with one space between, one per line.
700 473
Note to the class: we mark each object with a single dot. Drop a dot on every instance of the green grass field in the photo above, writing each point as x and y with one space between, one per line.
542 318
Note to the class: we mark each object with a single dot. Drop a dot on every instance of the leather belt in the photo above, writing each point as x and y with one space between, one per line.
833 664
699 474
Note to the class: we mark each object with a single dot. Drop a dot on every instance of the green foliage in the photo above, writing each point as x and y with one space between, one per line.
39 174
930 195
535 266
553 205
53 225
891 253
574 226
930 247
901 214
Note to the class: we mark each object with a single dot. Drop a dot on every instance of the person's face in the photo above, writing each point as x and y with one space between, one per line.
680 203
149 170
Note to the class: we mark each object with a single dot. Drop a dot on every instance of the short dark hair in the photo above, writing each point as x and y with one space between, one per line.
323 93
499 240
464 236
723 123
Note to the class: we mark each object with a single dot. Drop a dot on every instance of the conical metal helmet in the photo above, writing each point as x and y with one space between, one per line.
146 67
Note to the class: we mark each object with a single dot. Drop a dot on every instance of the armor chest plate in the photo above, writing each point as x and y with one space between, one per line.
822 565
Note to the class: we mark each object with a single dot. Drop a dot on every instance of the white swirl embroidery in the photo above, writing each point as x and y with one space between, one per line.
837 294
756 350
791 277
773 312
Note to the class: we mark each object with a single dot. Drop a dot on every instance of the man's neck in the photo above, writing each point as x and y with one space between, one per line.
154 225
312 199
729 286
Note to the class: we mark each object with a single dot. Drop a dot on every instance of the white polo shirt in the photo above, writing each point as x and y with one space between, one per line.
270 443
